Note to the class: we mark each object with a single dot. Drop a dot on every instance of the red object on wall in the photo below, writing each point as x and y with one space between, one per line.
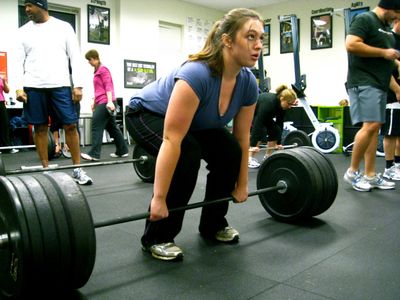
3 64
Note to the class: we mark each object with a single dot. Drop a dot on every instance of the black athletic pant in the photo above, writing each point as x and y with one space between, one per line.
4 126
219 149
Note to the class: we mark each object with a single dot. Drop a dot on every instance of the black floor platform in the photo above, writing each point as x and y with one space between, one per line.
350 252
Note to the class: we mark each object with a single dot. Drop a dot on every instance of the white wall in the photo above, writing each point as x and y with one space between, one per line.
325 69
135 31
133 35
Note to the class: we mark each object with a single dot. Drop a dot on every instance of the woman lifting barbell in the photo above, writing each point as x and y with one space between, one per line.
181 119
268 121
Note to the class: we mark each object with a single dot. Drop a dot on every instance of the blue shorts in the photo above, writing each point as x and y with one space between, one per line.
49 102
367 104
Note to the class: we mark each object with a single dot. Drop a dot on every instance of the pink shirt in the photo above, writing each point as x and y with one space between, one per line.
103 82
1 90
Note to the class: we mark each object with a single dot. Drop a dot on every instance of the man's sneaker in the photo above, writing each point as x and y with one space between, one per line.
88 157
377 182
392 173
114 155
351 176
80 177
13 151
227 235
165 251
361 184
253 163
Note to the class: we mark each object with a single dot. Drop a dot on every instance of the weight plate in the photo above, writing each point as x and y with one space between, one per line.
331 180
2 167
61 227
297 136
53 271
15 258
33 265
144 169
324 174
318 187
80 225
295 203
51 144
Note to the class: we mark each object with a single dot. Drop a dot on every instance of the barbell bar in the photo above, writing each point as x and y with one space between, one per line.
35 169
47 233
264 147
143 164
281 185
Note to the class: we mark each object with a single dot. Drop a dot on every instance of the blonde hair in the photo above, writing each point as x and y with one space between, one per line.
288 95
230 24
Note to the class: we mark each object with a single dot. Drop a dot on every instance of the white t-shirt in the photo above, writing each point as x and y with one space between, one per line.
43 53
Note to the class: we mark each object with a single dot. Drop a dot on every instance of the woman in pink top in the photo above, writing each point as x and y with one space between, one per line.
103 108
4 123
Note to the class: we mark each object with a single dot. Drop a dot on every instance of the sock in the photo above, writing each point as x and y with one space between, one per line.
389 164
397 159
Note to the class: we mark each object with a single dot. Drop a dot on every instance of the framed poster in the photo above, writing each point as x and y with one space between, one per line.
3 65
267 40
98 24
285 29
321 31
138 74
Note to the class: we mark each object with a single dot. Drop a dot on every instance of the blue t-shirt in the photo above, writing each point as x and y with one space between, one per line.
155 96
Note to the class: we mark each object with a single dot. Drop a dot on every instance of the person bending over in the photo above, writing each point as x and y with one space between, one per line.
182 117
268 121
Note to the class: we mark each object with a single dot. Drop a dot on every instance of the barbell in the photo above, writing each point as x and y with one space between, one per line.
265 147
143 163
47 234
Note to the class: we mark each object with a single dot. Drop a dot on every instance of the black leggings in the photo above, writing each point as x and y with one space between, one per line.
4 126
222 153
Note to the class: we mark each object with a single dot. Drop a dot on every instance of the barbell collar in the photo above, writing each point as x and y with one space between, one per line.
281 185
142 159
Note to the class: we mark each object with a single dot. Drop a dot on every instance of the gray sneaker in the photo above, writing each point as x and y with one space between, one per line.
80 177
361 184
165 251
227 235
350 176
392 173
253 163
377 182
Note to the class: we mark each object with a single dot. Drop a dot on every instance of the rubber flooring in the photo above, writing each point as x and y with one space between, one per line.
351 251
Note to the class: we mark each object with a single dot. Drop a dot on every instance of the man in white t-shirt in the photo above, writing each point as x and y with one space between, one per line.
45 47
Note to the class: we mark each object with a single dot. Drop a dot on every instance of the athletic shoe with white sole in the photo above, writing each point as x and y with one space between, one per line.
114 155
227 235
253 163
165 251
377 182
80 176
392 173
